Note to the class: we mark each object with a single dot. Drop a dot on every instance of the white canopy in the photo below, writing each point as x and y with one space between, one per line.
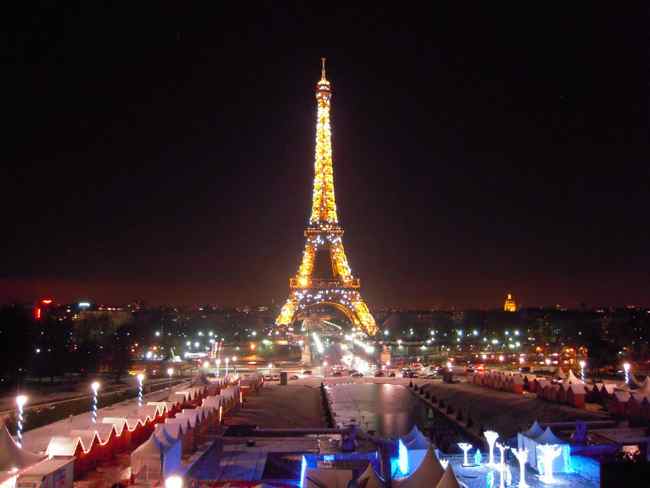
155 459
63 446
534 431
13 456
415 439
331 478
578 389
448 479
548 437
370 479
644 387
428 473
574 379
191 415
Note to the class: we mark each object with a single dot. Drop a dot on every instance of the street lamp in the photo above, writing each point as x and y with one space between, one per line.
21 400
174 481
170 373
491 438
140 382
95 388
626 368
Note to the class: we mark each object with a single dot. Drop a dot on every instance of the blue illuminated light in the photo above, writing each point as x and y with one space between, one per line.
303 471
403 458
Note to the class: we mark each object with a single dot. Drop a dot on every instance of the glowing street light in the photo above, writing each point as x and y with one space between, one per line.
174 481
549 452
582 364
206 364
502 464
140 382
465 446
170 373
626 368
95 388
491 437
522 456
21 400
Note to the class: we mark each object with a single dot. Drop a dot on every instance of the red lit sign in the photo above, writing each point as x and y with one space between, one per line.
46 301
37 313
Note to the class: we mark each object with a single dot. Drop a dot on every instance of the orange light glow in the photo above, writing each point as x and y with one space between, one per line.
47 301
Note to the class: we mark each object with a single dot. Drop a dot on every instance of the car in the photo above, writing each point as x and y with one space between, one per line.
268 377
293 377
357 375
431 376
379 374
392 374
306 372
337 373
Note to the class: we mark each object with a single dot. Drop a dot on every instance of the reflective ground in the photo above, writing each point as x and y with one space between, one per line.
387 410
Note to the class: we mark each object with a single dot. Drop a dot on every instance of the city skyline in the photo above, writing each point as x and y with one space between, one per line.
462 173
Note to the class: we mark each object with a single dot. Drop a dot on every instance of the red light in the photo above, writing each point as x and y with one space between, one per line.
46 301
37 313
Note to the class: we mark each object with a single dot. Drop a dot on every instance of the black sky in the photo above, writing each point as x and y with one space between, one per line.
166 153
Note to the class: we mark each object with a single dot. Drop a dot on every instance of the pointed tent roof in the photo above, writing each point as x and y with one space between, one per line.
534 431
574 379
428 473
449 479
578 389
369 479
151 449
559 373
644 386
415 439
548 437
411 435
12 455
63 446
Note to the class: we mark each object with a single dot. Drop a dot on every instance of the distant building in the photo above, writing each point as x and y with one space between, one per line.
510 305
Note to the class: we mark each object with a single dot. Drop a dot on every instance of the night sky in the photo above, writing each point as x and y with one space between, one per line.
167 153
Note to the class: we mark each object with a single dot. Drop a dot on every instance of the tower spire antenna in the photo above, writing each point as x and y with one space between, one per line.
322 69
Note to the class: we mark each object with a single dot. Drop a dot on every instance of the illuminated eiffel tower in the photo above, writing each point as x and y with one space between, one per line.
337 286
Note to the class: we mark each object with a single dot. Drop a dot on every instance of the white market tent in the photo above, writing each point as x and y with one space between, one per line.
574 379
332 478
12 455
448 479
370 479
415 439
156 460
547 437
428 473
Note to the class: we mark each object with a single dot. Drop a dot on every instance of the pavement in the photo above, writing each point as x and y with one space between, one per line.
296 405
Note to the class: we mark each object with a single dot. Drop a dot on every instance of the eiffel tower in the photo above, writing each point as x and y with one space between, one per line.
324 276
